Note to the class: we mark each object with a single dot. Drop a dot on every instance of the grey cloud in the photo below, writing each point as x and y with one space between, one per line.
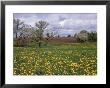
63 23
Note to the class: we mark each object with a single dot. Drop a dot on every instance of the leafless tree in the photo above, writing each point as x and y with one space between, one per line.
18 25
40 26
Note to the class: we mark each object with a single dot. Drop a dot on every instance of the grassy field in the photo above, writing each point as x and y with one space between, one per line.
57 59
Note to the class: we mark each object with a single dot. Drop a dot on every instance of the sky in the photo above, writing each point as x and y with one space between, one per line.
61 23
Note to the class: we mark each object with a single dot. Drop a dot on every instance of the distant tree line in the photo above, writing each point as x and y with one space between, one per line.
24 34
85 36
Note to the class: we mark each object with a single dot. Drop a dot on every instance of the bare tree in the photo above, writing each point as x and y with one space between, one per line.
41 25
18 25
24 37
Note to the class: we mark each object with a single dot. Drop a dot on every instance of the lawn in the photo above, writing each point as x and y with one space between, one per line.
56 59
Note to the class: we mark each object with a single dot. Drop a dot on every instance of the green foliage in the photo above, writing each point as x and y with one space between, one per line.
84 36
69 36
92 36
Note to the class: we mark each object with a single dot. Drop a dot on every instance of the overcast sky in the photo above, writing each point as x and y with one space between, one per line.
64 24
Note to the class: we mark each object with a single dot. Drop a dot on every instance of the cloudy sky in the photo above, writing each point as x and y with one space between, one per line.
63 24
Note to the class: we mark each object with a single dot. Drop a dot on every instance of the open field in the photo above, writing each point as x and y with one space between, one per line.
56 59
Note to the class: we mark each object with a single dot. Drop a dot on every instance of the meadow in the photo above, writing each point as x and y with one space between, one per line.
56 59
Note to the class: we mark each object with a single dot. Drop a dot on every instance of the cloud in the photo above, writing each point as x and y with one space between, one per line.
63 23
78 24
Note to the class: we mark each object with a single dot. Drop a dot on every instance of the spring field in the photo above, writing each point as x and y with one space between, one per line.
56 59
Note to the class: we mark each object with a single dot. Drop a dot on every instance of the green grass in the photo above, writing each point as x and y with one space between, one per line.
56 59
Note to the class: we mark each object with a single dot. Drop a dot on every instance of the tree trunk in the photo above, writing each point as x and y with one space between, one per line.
16 35
39 44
